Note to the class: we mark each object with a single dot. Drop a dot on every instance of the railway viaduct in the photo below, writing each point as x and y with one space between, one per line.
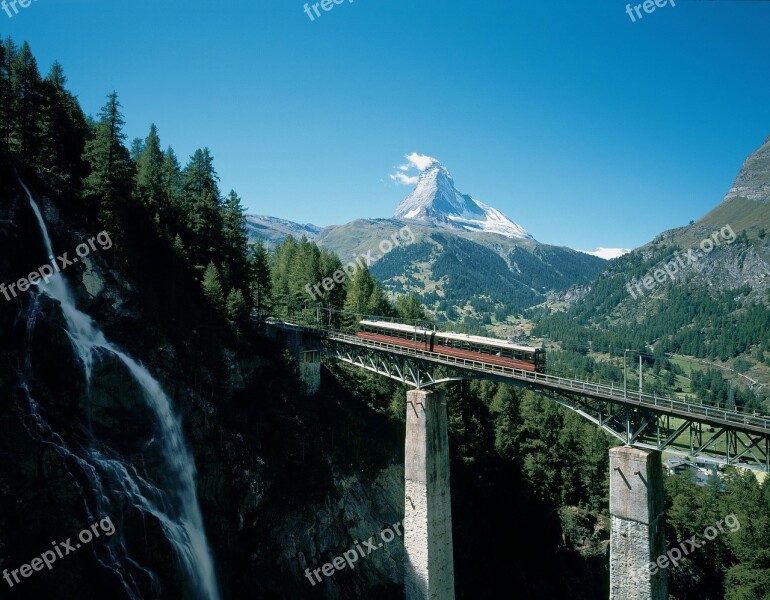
645 424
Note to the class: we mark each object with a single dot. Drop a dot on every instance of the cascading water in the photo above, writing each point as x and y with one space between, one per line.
176 509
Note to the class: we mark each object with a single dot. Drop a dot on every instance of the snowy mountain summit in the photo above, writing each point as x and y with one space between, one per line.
436 200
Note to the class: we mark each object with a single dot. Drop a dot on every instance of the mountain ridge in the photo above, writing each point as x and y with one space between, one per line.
707 287
437 201
465 255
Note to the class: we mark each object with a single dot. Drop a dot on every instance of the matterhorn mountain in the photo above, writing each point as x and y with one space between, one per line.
462 258
436 201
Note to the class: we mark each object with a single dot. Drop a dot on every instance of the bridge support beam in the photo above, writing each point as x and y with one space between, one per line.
637 536
429 566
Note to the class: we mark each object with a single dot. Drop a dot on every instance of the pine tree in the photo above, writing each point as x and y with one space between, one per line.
505 407
261 288
27 87
212 288
282 264
199 176
409 308
202 207
8 52
542 421
365 297
205 224
171 173
149 179
329 264
108 185
236 242
64 129
237 311
178 247
305 270
137 147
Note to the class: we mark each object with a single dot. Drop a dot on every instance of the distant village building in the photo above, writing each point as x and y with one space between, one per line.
701 468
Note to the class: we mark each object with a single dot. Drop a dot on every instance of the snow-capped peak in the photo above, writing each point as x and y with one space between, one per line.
607 253
436 200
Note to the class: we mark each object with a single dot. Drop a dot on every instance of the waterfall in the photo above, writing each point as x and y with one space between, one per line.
176 509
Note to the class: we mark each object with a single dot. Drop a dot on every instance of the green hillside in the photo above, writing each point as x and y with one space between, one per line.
450 271
702 290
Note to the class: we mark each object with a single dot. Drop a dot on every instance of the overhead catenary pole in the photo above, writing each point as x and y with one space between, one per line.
625 374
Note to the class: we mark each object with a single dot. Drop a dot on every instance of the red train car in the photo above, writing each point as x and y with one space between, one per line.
470 347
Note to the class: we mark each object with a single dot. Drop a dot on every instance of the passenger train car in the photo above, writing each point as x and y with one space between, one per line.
471 347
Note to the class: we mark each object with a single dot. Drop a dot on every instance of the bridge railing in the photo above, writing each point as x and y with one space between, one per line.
563 383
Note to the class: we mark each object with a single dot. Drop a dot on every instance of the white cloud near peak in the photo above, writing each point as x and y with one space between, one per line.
402 179
414 161
420 161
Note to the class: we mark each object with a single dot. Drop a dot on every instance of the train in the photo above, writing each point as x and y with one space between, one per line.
470 347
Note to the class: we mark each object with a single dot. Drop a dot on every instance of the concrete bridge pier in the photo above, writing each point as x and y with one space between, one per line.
637 536
305 350
429 565
310 370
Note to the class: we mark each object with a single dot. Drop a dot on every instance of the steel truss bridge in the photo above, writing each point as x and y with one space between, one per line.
636 419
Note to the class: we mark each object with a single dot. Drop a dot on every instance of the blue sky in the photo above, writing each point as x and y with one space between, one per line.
585 127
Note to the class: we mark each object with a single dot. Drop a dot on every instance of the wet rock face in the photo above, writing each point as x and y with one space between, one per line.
360 511
55 424
275 493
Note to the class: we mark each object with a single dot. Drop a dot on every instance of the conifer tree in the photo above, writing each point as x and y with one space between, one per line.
236 242
199 176
64 129
202 207
8 52
261 288
305 270
27 88
212 288
149 178
108 184
172 175
283 261
409 308
237 310
329 264
179 249
137 147
365 297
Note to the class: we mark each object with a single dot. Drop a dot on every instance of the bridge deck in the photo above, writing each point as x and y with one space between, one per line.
735 420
